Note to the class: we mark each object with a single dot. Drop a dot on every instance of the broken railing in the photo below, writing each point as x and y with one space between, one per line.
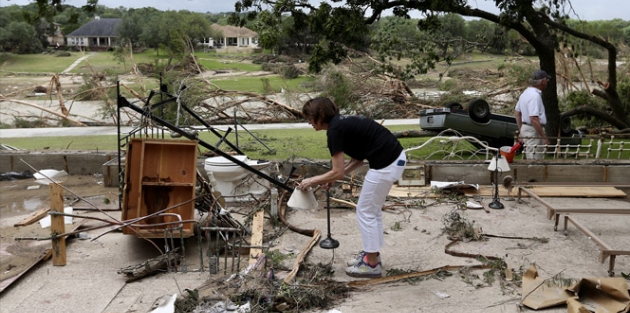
606 147
452 145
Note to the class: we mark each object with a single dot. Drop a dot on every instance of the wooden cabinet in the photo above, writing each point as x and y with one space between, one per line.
159 174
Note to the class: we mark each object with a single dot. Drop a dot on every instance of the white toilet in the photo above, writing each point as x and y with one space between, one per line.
235 182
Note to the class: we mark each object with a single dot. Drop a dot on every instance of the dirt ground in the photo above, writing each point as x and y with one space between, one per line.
414 241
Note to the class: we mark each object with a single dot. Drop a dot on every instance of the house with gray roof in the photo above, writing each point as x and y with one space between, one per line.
99 34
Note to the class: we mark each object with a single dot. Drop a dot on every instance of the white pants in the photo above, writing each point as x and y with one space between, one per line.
376 187
532 138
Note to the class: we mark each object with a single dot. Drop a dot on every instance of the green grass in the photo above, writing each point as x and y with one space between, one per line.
255 84
100 62
298 143
37 63
213 62
79 143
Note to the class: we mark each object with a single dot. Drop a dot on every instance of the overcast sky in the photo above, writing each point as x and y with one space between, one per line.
586 9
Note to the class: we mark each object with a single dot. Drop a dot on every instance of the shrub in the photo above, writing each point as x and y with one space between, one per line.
289 72
338 88
286 71
448 85
4 57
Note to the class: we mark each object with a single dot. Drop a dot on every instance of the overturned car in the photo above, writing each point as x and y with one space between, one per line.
476 120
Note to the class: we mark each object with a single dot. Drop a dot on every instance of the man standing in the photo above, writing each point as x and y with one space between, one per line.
530 116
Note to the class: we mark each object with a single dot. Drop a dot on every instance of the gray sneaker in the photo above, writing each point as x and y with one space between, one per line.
360 256
362 269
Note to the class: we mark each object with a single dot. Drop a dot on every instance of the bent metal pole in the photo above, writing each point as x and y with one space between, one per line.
122 102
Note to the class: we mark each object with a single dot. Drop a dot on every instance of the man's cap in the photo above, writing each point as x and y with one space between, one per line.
540 74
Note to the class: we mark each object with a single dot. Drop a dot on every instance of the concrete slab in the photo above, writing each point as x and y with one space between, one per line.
414 241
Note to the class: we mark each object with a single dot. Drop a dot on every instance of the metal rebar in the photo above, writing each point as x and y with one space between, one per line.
181 241
225 254
200 246
167 250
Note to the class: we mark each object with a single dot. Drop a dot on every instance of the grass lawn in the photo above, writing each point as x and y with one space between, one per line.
38 63
255 84
298 143
99 62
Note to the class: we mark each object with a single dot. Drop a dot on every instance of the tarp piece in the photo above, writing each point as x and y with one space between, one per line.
607 294
538 294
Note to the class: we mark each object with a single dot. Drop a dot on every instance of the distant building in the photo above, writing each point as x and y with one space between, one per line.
99 34
56 39
232 37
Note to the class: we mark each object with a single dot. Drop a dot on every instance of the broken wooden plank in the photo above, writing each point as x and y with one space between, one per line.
44 256
348 203
302 255
4 284
257 237
33 217
582 192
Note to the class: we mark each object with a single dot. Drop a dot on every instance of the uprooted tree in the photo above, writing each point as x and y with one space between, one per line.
544 27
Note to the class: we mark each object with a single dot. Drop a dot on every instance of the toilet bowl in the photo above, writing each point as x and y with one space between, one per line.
235 182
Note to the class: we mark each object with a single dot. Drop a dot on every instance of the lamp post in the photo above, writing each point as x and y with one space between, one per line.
329 242
497 164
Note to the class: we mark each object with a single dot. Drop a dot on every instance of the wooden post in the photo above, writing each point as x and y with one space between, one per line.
257 236
57 225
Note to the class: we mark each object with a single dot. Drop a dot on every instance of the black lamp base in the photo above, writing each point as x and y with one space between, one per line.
496 205
329 243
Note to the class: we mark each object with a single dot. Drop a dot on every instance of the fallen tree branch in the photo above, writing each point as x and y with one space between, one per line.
389 279
313 233
148 267
301 256
43 109
55 81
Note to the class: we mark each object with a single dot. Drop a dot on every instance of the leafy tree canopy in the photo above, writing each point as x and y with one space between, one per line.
542 23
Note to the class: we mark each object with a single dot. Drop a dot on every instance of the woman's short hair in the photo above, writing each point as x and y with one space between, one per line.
320 110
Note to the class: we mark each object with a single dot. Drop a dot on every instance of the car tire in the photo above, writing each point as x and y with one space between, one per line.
454 105
479 111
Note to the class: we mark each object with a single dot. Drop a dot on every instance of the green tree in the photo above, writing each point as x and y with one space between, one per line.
449 33
17 37
195 26
483 31
541 23
5 18
131 26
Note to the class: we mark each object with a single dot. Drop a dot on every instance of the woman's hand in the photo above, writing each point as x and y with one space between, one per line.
306 183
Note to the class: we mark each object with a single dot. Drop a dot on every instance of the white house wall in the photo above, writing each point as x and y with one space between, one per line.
251 42
88 41
78 41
